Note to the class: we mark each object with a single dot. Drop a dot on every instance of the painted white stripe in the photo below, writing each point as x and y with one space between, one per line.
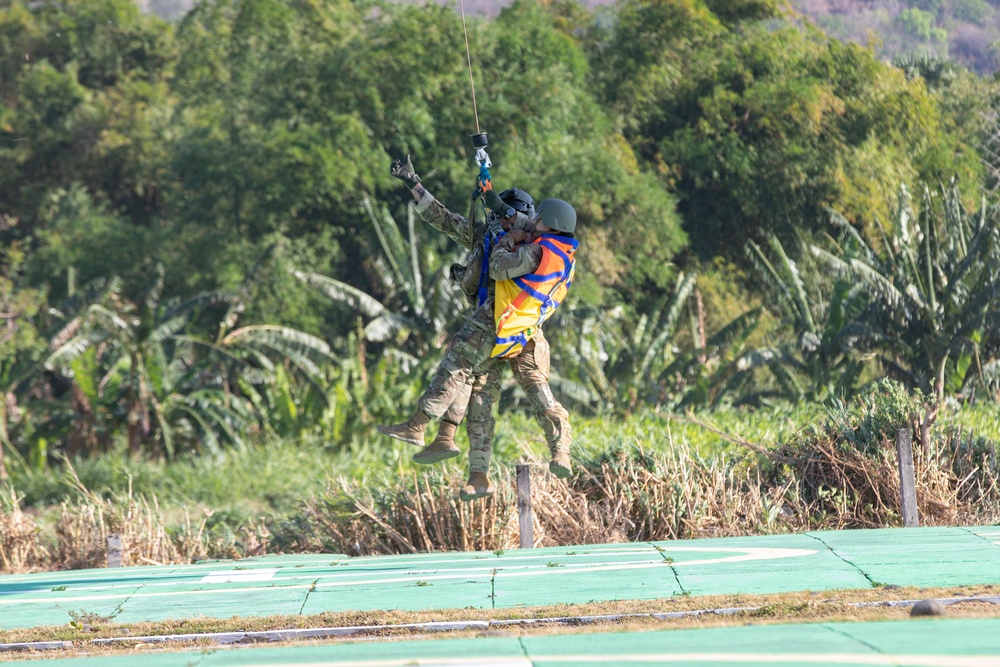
210 591
485 571
417 662
668 658
471 575
238 576
778 658
747 554
515 554
310 571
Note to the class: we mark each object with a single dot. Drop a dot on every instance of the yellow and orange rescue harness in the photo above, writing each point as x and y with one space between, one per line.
523 303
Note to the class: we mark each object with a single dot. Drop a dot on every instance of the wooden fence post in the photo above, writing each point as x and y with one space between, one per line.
524 505
907 478
114 550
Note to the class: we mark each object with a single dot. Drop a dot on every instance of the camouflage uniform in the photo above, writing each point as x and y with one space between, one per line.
531 370
530 367
471 346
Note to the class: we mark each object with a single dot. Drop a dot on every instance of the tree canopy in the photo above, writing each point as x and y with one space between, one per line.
234 161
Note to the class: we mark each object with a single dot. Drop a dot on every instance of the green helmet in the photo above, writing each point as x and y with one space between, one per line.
558 215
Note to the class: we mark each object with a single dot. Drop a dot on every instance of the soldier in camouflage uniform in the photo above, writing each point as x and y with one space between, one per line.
466 379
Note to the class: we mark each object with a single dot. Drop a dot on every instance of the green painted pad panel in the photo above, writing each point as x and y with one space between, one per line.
990 533
513 590
246 601
311 584
927 643
583 575
61 611
418 595
714 646
919 556
455 580
757 565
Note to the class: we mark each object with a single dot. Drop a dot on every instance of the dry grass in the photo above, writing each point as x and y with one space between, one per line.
627 495
83 530
20 548
83 527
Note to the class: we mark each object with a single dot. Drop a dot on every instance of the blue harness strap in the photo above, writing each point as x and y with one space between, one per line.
484 291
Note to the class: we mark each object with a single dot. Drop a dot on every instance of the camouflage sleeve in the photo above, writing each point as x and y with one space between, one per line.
457 227
522 260
523 222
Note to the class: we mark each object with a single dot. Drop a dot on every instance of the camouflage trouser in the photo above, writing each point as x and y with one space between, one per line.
481 424
531 370
468 353
456 411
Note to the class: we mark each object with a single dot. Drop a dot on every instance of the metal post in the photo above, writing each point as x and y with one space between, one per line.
524 505
907 478
114 550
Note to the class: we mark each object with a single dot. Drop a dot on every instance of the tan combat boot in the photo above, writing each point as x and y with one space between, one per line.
443 447
411 431
560 465
478 486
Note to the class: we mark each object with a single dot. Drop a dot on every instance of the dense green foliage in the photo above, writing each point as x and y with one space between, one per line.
200 244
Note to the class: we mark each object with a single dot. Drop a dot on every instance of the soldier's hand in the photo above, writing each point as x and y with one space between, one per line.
513 238
403 170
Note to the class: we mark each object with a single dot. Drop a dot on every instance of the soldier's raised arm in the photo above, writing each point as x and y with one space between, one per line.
430 210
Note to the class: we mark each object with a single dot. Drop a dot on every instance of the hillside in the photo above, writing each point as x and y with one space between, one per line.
964 30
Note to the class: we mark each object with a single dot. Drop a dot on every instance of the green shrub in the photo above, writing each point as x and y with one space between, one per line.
973 11
932 6
916 22
875 415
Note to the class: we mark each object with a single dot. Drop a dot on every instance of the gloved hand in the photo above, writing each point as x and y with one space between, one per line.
513 238
495 204
403 170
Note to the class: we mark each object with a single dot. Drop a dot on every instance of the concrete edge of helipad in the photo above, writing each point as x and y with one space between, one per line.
291 634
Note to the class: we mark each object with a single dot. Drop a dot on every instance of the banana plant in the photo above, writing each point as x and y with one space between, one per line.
20 346
825 356
415 305
145 368
718 372
618 365
933 281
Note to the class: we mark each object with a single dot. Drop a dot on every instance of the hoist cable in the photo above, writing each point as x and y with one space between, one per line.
468 56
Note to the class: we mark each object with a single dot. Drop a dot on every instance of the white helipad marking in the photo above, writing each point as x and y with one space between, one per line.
667 658
746 554
379 562
778 658
749 553
415 662
480 574
211 591
238 576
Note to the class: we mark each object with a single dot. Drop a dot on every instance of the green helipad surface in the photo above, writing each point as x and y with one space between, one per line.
320 583
924 643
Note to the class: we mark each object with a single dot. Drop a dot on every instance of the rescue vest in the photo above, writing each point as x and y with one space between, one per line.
523 303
